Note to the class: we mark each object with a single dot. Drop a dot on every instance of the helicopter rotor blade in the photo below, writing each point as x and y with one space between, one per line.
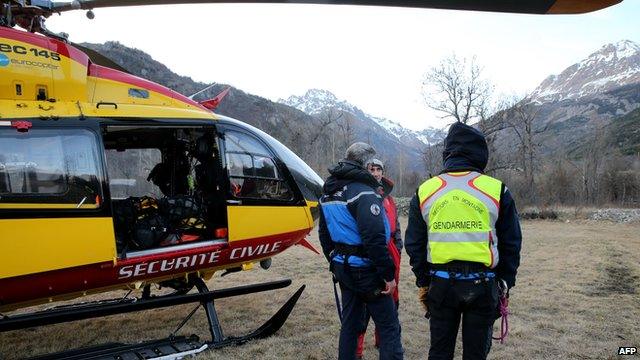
511 6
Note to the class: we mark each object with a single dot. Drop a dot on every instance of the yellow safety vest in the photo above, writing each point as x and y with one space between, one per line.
461 210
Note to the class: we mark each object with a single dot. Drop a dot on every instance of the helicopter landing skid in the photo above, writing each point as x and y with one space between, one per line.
174 347
267 329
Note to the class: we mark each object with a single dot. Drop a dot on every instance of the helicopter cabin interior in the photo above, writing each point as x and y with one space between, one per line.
168 185
165 186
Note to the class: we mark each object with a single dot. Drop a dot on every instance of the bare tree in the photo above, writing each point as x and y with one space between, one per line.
582 180
347 131
432 157
521 118
594 161
402 160
491 124
457 89
326 119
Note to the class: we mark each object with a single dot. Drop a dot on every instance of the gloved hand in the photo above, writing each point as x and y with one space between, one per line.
503 298
422 296
503 288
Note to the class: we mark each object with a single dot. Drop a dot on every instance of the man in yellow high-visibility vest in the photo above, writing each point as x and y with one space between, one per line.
463 239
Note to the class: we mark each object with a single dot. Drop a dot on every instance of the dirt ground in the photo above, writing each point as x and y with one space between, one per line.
577 297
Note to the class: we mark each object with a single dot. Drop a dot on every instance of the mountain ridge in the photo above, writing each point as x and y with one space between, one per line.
317 101
611 66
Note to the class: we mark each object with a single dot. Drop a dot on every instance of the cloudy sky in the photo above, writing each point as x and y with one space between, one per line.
373 57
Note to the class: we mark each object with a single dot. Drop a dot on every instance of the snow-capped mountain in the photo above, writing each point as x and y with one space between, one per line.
612 66
431 135
316 101
428 136
591 94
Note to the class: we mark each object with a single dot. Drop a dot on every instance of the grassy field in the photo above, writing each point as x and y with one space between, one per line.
577 297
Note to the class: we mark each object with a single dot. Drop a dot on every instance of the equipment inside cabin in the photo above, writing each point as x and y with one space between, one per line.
165 186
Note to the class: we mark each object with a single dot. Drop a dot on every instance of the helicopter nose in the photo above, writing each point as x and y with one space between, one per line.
310 185
315 212
312 195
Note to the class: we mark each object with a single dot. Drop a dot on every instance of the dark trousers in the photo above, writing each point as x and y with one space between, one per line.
365 325
473 301
358 287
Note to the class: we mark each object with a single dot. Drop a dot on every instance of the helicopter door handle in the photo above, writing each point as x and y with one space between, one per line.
234 202
102 103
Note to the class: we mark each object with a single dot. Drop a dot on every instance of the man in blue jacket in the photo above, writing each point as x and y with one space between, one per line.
463 239
353 233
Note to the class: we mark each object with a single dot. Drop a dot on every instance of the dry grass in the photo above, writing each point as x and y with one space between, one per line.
577 297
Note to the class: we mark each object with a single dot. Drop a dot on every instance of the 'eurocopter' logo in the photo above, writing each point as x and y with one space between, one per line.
4 60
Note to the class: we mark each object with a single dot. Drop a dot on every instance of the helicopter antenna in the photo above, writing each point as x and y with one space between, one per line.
201 91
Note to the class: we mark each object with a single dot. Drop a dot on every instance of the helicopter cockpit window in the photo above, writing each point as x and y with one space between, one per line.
57 167
252 171
239 164
265 167
241 143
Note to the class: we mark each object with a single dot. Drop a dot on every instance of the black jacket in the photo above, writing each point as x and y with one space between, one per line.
360 191
466 150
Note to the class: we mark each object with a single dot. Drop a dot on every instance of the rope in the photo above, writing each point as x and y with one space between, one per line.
503 307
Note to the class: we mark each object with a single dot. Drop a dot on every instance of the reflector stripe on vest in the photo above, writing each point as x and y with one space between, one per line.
494 197
458 237
430 188
461 210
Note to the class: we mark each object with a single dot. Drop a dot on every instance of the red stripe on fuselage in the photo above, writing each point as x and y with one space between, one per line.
102 275
70 52
46 43
103 72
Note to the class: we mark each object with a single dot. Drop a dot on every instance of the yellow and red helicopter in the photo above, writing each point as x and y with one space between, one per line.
110 181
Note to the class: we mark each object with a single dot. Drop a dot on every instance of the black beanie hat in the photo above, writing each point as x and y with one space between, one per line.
466 142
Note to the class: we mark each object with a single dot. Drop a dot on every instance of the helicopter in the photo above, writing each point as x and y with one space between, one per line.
110 181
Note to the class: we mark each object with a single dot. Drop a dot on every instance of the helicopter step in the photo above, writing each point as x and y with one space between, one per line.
171 348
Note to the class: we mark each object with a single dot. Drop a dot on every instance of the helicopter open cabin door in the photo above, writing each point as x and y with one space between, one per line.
165 187
265 208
